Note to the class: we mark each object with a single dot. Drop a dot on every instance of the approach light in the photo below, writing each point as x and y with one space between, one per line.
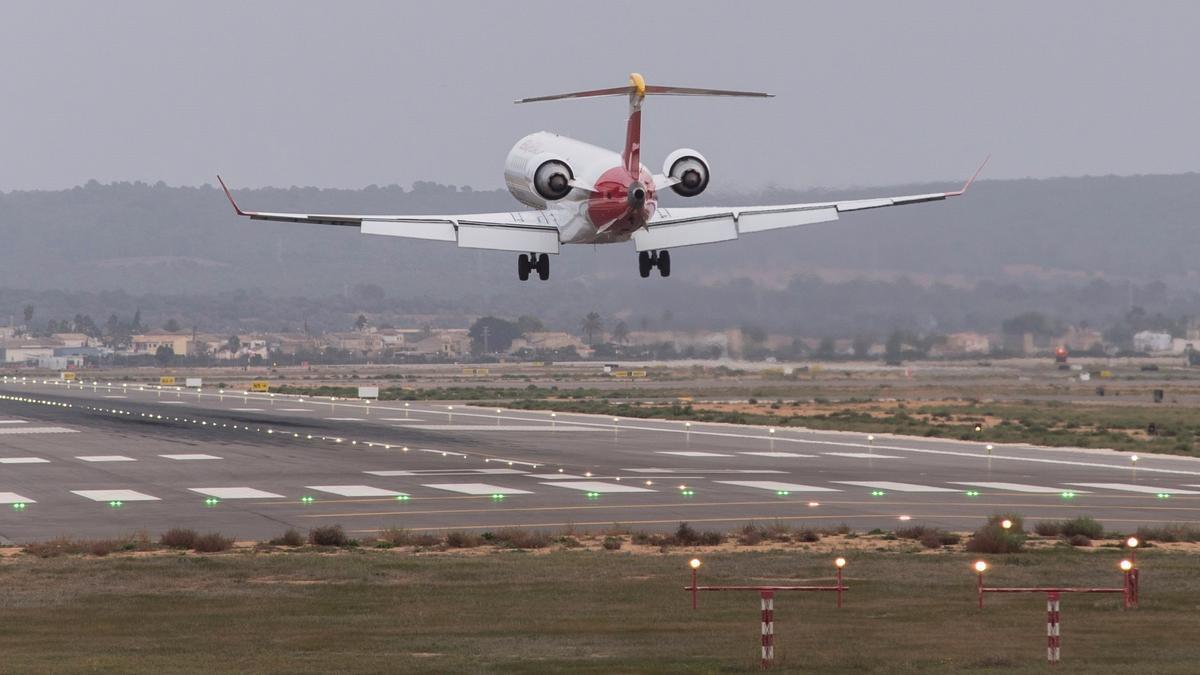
694 563
1006 523
1126 565
839 563
980 566
814 504
1132 542
905 518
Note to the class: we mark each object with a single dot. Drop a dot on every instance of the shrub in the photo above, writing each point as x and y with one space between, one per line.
992 538
463 540
328 535
401 537
1018 521
212 542
101 547
1048 528
178 537
290 537
686 535
641 538
1079 540
809 536
1166 534
1085 525
568 541
750 535
515 537
612 543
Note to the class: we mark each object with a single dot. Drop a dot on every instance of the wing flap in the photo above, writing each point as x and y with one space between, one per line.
433 230
507 238
773 220
687 232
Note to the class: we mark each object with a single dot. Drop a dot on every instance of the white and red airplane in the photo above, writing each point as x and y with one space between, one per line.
584 194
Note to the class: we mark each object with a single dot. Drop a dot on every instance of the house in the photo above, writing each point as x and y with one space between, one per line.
965 343
548 341
23 352
448 343
1150 341
73 339
179 343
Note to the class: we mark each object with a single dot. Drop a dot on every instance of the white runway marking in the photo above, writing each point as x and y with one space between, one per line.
775 486
500 427
236 493
400 419
246 409
14 422
478 489
1145 489
294 409
189 458
898 487
36 430
704 471
115 396
355 490
554 476
1016 487
691 453
596 486
14 498
776 454
174 403
23 460
445 472
861 455
443 453
115 495
346 419
105 458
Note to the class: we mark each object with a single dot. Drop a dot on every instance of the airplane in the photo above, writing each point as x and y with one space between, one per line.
584 194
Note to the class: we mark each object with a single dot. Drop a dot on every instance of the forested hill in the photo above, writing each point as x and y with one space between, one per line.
155 238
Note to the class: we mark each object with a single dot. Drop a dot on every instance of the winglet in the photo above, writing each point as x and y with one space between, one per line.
230 197
971 180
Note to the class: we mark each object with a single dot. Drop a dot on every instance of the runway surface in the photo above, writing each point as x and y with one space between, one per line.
97 460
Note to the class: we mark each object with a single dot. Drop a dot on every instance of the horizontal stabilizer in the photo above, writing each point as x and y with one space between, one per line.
639 87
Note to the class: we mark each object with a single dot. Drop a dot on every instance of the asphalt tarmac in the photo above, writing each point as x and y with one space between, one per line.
104 460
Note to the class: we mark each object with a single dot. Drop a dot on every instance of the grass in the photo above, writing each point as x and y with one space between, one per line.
366 610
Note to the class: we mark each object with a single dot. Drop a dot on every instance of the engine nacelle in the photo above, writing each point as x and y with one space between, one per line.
690 168
551 179
541 168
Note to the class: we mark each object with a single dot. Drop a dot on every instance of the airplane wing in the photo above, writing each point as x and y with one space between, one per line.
676 227
520 231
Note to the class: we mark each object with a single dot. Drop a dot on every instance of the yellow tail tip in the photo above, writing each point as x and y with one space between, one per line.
638 82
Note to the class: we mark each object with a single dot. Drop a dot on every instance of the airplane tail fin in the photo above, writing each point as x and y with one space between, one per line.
638 90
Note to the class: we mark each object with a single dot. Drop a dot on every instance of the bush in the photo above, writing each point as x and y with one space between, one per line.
809 536
401 537
291 537
212 542
686 535
992 538
328 535
1166 534
1085 525
612 543
1048 528
463 540
178 537
515 537
1081 540
750 535
101 547
1018 521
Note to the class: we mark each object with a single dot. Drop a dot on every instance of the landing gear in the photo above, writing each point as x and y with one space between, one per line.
648 260
532 262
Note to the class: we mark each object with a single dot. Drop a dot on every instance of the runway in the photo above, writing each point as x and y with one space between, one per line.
106 459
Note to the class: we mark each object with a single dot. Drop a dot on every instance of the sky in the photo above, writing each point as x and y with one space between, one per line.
356 93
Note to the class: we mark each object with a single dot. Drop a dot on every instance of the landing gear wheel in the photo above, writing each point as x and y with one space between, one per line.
645 264
523 267
664 263
543 267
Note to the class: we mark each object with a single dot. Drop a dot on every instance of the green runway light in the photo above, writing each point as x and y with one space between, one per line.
18 506
401 498
211 501
688 492
593 495
1068 495
497 497
782 493
116 504
306 499
1164 495
972 493
877 493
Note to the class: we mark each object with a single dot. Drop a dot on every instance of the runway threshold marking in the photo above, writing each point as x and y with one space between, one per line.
116 495
778 454
14 498
692 453
1017 487
189 457
105 458
236 493
477 488
355 490
596 486
898 487
861 455
434 473
11 431
776 486
1146 489
23 460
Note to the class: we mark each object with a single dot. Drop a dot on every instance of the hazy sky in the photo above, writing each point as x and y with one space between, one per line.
353 93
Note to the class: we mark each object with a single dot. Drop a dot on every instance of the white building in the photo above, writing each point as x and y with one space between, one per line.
1150 341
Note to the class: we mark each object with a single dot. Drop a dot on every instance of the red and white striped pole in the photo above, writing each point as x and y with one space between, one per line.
768 628
1052 630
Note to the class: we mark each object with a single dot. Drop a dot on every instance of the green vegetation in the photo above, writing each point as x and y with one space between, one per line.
592 611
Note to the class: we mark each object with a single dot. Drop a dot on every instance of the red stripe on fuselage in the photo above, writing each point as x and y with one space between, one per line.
608 207
631 157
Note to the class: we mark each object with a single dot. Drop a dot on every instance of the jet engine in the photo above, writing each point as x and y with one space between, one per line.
690 169
552 180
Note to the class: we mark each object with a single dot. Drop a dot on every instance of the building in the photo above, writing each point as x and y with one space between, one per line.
73 339
1150 341
25 352
180 343
548 341
451 343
